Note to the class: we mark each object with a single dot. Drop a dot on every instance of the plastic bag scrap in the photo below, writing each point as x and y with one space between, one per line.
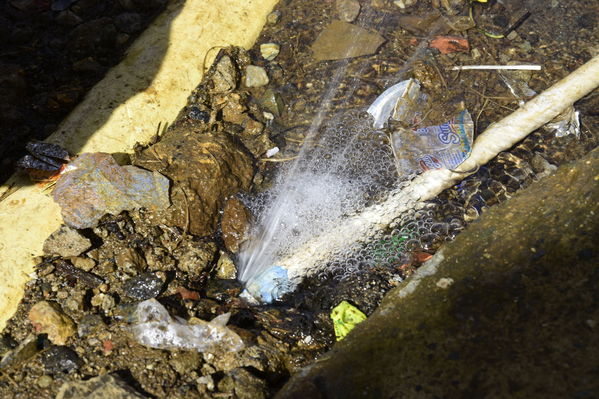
433 147
400 102
268 286
155 328
568 122
94 184
345 317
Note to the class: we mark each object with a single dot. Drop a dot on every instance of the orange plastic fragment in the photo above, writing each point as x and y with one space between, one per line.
450 44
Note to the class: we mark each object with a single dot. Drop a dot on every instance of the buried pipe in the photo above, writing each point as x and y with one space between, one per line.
284 277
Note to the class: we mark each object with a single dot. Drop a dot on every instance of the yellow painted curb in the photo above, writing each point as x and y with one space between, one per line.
148 87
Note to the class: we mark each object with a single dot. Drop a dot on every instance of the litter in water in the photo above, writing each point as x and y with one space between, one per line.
450 44
155 328
94 185
433 147
496 67
268 286
345 317
400 101
568 122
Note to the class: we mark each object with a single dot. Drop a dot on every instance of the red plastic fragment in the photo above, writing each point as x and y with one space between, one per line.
421 257
450 44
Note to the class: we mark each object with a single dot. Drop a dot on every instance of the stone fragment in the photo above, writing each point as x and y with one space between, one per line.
234 224
347 10
130 261
142 287
269 51
225 76
272 102
61 359
242 384
205 168
44 381
195 257
83 263
95 185
340 40
66 242
404 3
255 76
273 18
105 386
48 318
225 268
23 352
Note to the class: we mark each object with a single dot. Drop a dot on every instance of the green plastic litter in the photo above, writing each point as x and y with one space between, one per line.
345 316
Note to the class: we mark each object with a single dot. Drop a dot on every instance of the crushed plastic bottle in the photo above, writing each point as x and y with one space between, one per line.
433 147
155 328
401 102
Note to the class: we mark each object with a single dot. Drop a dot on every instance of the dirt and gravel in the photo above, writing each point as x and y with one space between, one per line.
184 256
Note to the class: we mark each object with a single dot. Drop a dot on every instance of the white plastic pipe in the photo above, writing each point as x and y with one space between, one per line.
498 137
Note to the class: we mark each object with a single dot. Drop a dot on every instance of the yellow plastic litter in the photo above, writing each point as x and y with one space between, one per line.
345 316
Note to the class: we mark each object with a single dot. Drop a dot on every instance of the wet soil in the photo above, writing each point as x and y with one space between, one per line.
137 255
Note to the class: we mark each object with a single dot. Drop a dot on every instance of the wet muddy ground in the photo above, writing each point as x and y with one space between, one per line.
184 256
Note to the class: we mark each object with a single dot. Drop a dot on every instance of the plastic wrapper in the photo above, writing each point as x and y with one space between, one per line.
345 317
568 122
400 102
433 147
268 286
94 185
155 328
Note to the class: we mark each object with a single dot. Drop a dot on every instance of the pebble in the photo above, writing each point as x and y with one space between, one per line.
272 102
61 359
273 18
89 324
255 76
48 318
66 242
269 51
104 301
225 268
83 263
44 381
404 3
225 76
142 287
104 386
340 40
348 10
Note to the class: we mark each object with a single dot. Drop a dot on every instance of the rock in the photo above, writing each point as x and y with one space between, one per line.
225 76
48 318
128 22
255 76
104 301
142 287
66 242
243 385
273 18
269 51
89 324
96 185
223 289
83 263
44 381
194 257
225 268
234 224
205 168
272 102
130 261
105 386
68 18
340 40
347 10
24 351
404 3
61 359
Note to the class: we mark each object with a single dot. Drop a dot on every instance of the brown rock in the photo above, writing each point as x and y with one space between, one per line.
234 224
105 386
66 242
48 318
347 10
342 40
205 169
